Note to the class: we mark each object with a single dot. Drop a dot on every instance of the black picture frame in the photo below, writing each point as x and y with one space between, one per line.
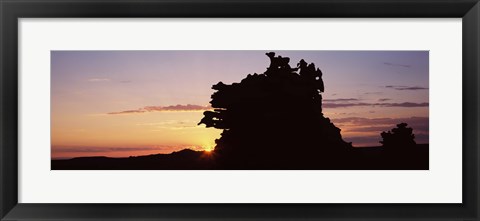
12 10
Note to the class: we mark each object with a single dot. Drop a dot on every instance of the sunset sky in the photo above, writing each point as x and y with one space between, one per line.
128 103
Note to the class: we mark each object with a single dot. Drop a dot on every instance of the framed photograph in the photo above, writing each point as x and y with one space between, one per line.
239 110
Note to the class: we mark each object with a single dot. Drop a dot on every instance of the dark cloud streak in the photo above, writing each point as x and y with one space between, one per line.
406 88
341 100
362 104
376 121
178 107
397 65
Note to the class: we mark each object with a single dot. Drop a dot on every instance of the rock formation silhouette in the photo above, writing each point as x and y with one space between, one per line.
274 120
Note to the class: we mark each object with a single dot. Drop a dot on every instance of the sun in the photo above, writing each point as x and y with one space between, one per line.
208 149
207 144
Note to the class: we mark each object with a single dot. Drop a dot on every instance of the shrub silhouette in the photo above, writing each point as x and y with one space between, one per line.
274 120
399 137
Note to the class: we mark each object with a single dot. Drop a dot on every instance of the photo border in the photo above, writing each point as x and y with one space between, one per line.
11 11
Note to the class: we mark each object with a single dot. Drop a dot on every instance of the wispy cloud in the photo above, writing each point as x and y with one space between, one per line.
168 122
404 104
171 125
397 65
406 88
360 104
141 110
384 99
420 123
375 93
98 79
340 100
178 107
